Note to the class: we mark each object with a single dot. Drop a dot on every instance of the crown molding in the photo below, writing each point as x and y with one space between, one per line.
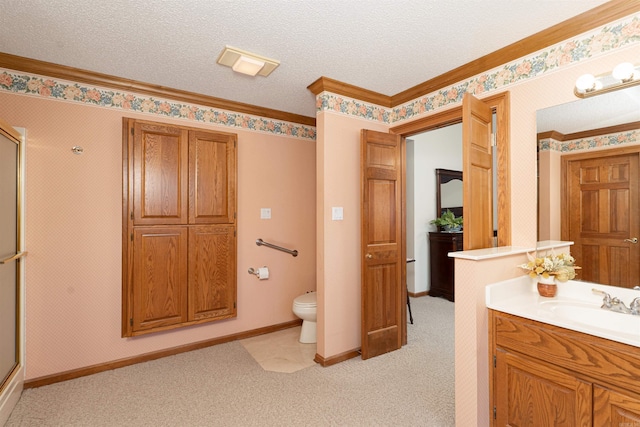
325 84
34 66
594 18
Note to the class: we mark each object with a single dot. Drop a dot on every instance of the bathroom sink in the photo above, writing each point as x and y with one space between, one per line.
576 307
592 316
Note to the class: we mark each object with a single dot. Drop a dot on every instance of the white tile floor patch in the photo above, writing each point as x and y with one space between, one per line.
281 351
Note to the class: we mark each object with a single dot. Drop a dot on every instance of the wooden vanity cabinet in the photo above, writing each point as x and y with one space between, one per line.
546 375
179 226
442 270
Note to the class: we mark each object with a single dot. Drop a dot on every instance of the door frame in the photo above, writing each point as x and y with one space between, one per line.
11 390
500 104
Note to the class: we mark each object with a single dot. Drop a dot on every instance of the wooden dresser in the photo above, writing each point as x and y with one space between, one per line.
441 266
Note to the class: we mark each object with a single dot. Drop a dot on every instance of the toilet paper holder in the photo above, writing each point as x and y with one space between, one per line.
257 272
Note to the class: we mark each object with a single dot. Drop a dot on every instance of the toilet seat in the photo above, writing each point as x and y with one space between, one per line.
306 300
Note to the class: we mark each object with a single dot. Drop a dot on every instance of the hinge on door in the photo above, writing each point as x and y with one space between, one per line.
494 360
131 215
132 132
234 304
493 140
234 215
131 321
234 233
494 412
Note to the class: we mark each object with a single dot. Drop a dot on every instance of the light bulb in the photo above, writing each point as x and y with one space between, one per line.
586 83
623 72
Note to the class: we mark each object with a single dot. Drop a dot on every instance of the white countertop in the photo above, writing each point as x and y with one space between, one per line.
503 251
574 307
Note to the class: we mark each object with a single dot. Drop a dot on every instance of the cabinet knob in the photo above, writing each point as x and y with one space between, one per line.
368 256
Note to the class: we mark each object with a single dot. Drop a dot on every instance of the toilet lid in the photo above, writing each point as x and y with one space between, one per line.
308 299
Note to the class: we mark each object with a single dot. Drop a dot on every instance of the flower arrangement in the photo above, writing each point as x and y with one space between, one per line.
561 266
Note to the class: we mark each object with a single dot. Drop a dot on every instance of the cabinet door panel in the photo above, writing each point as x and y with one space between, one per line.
212 272
212 175
159 277
611 408
160 162
532 394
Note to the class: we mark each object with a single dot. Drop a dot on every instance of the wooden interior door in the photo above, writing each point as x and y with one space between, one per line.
477 169
382 246
600 215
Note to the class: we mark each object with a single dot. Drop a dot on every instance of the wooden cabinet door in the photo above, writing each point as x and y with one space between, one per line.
160 178
159 277
212 177
529 393
212 272
611 408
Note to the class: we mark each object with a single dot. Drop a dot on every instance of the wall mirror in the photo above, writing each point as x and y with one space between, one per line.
619 109
448 191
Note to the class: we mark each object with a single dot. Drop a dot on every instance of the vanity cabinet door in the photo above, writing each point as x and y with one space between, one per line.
531 393
612 408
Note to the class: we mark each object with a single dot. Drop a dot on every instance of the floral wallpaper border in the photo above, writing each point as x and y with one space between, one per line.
23 83
607 38
601 141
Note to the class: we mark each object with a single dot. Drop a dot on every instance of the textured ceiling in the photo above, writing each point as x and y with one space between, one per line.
385 45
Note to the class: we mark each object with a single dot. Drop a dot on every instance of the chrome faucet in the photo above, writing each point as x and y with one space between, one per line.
614 303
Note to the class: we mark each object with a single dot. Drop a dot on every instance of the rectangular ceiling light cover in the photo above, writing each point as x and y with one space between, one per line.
246 62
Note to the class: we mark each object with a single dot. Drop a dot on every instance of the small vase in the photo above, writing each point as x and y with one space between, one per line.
547 286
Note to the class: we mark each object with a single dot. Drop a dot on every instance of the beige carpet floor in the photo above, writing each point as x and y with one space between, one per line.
225 386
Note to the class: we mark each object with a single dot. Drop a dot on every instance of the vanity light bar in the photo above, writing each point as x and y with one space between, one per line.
623 75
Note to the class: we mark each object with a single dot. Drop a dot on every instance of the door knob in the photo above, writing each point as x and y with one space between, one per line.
368 256
633 240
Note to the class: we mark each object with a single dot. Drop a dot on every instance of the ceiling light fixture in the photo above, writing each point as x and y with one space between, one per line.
622 76
245 62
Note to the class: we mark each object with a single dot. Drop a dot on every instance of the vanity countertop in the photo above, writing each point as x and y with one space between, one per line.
575 307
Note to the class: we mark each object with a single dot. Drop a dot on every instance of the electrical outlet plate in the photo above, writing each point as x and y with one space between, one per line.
265 213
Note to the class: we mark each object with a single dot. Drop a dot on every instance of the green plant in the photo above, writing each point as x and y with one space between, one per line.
448 220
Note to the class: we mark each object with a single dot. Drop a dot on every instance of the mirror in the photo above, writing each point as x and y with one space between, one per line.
574 122
448 191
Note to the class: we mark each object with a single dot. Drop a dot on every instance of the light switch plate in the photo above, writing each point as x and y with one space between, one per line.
337 213
265 213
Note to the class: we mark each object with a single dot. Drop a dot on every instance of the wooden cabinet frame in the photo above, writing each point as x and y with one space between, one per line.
179 226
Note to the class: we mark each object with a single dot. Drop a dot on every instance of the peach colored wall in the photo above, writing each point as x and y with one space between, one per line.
338 244
73 220
338 183
472 384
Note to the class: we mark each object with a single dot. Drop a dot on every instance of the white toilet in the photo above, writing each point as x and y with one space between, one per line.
305 307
